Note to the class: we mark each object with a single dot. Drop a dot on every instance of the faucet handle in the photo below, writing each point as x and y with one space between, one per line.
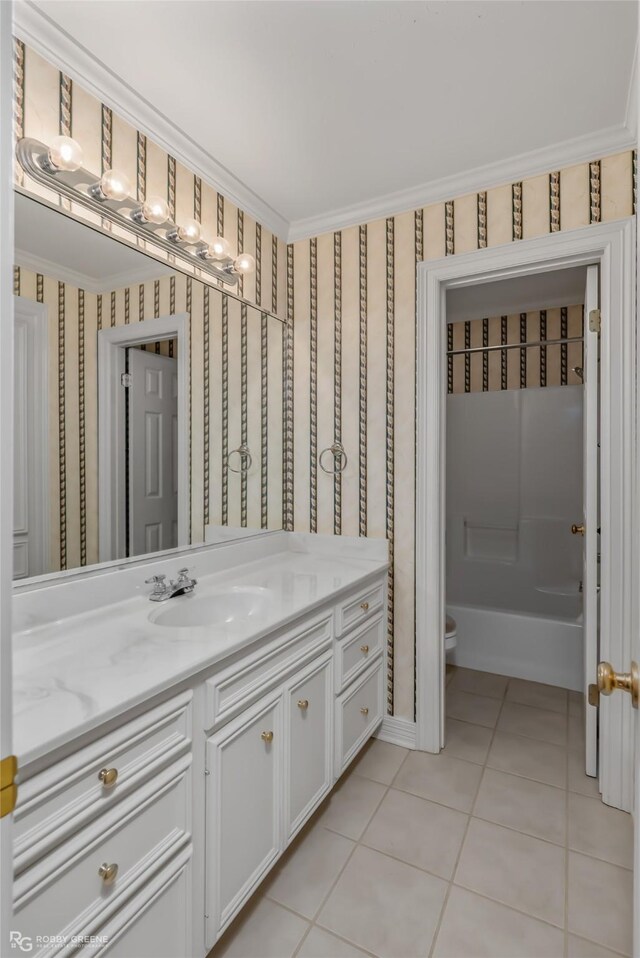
158 584
183 574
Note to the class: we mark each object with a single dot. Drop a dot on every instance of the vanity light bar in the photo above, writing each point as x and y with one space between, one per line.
59 167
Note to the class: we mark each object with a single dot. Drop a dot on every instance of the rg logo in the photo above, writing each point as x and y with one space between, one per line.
18 940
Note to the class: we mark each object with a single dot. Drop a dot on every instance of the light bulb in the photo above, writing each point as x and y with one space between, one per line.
155 210
189 232
244 263
114 186
219 248
65 154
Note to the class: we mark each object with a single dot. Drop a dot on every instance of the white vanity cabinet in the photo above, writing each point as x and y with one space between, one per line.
266 771
154 834
99 829
243 808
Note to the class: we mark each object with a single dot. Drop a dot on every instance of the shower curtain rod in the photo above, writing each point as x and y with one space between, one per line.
540 342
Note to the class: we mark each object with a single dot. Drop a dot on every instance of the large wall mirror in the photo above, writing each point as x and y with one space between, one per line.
148 401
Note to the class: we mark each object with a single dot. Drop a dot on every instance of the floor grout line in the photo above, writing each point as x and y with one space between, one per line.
470 815
356 845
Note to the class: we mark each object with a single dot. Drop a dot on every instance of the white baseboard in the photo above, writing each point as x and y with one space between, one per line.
397 731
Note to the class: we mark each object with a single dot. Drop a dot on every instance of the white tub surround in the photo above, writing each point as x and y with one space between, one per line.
165 766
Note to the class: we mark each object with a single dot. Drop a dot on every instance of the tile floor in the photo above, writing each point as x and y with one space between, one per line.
497 847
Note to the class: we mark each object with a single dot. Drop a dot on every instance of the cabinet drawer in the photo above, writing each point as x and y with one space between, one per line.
155 923
356 651
358 607
309 717
59 801
246 680
358 713
64 891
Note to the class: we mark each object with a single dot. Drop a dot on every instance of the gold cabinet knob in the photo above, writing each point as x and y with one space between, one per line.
364 710
577 530
267 737
303 704
364 606
108 873
108 776
609 680
364 649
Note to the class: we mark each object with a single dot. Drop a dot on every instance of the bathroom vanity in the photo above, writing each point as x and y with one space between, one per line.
169 752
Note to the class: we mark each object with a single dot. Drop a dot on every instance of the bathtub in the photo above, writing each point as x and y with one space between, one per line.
541 648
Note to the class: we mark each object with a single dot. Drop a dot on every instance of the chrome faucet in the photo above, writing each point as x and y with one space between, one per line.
183 585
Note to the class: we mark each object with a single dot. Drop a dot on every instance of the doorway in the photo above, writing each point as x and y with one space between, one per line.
611 248
143 438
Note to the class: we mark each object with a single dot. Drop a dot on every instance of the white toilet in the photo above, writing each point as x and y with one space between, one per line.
450 633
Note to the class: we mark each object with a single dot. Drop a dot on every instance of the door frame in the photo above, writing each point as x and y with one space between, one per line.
35 317
612 247
112 344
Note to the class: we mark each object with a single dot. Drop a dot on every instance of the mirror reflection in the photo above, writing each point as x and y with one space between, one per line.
148 403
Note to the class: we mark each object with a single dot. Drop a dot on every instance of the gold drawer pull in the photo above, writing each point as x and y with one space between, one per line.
364 648
303 704
108 776
364 710
267 737
108 873
364 606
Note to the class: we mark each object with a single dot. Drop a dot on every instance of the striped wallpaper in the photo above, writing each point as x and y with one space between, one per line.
235 373
347 300
354 326
516 368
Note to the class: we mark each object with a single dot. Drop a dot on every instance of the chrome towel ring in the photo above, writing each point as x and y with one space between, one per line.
245 462
339 458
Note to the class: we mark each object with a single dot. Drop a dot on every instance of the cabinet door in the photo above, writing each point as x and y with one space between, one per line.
310 726
244 800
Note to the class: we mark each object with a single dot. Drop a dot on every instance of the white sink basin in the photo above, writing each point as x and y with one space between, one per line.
225 607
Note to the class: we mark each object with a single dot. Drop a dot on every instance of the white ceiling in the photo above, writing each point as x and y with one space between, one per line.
321 111
56 245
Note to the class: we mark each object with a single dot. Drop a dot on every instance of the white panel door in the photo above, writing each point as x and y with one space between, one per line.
590 520
30 440
6 468
152 452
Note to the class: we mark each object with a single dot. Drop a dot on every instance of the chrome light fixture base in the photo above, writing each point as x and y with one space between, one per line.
83 187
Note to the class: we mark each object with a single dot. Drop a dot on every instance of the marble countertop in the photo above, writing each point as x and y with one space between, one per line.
73 674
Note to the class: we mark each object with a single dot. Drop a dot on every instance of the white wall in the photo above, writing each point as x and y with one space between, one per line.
514 487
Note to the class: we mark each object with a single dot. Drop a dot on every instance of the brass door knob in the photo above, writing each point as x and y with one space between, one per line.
608 680
577 530
108 776
267 737
303 704
108 873
364 710
364 606
364 648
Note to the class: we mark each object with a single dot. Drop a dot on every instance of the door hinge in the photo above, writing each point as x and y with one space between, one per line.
595 322
8 787
594 695
125 380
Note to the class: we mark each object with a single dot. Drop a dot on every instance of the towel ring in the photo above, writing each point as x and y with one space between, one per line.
339 459
246 459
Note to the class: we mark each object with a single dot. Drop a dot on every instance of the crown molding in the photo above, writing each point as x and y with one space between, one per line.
41 34
107 284
569 153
